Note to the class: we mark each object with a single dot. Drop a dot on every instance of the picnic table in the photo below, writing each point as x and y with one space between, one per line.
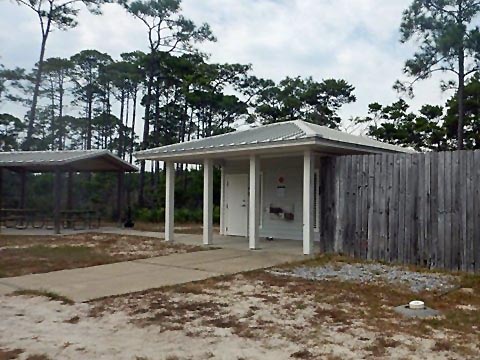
21 218
80 219
71 219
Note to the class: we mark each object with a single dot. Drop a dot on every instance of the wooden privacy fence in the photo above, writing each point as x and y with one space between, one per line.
421 209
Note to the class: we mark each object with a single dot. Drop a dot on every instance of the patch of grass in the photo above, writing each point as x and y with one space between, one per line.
38 357
224 322
442 345
172 357
21 255
302 354
48 294
42 258
380 345
10 354
73 320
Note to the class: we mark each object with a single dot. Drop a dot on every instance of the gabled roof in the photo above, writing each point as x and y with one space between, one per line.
293 133
73 160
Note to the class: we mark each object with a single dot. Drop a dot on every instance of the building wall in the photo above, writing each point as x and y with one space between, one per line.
281 188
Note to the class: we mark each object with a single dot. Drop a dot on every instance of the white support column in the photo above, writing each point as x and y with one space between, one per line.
254 203
208 202
308 194
169 200
222 200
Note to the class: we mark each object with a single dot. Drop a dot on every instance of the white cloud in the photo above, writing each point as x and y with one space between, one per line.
355 40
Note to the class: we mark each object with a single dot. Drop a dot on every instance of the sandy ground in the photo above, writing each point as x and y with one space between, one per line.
68 332
251 316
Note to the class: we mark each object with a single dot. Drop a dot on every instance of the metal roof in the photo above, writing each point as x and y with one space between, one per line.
271 136
68 160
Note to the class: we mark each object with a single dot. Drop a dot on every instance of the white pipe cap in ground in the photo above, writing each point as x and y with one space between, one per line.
416 305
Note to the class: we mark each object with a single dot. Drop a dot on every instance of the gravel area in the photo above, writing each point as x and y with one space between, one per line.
366 273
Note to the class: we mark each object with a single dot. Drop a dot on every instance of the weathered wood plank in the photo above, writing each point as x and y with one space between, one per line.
459 259
371 192
348 207
352 210
469 213
389 207
414 185
401 208
458 202
383 241
377 207
337 198
476 157
434 208
364 220
427 224
358 207
408 210
333 203
394 210
449 208
420 215
441 211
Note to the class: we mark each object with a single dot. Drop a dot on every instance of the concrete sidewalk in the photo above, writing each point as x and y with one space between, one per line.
85 284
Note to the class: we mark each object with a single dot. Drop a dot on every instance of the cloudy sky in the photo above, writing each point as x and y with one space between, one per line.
357 40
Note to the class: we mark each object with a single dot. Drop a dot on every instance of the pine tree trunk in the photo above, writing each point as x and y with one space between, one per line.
36 92
120 129
61 130
146 128
89 118
134 113
461 98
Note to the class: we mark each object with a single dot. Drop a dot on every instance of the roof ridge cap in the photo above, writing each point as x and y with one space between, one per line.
304 126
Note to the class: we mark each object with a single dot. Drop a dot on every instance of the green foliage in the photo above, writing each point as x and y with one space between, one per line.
397 125
60 14
10 129
449 41
446 33
472 114
182 215
302 99
431 128
150 215
167 29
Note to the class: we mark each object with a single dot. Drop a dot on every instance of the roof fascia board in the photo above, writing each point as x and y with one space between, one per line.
360 147
316 141
223 150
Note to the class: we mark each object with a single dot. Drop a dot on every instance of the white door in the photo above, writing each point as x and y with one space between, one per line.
236 204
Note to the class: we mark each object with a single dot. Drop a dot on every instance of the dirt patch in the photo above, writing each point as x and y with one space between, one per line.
10 354
254 315
324 318
41 327
21 255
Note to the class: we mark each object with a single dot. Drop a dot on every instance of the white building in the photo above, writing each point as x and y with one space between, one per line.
270 178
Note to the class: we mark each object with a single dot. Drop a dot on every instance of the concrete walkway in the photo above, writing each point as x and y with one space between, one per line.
85 284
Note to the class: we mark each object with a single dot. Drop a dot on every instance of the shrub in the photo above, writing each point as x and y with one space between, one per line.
183 215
